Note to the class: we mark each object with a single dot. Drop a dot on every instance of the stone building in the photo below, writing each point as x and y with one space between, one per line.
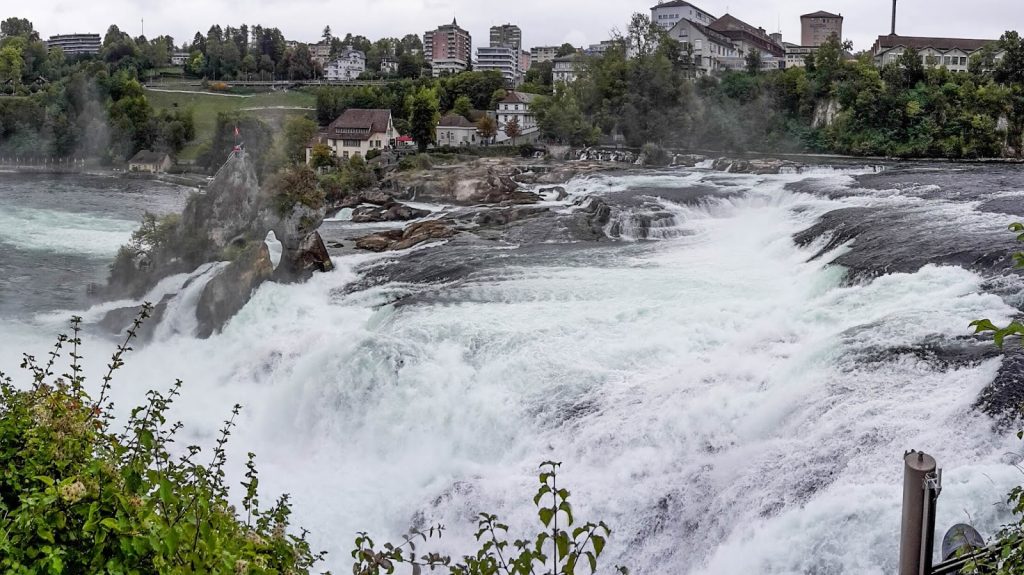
816 27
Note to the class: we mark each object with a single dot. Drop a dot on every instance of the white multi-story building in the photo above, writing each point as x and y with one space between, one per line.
349 66
709 47
74 44
499 59
516 106
566 69
388 65
668 14
540 54
321 53
952 53
179 58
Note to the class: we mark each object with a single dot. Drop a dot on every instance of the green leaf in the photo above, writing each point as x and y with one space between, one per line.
598 543
546 514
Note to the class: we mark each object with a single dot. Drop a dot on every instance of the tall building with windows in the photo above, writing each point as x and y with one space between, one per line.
507 35
815 28
668 14
504 55
449 49
74 44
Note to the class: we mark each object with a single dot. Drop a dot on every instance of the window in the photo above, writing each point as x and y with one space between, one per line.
351 143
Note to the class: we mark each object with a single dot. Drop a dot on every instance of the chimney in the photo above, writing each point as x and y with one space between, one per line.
893 33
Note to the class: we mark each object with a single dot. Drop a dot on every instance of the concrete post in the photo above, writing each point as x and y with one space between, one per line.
921 486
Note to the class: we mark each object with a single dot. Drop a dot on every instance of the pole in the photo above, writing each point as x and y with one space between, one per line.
921 487
893 18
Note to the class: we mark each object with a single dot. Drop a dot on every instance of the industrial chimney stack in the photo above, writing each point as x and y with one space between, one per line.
893 33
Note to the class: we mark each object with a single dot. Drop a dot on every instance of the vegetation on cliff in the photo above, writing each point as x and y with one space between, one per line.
834 105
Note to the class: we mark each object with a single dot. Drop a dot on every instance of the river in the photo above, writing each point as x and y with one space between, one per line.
731 388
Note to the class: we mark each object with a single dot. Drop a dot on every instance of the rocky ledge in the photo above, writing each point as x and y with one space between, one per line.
260 232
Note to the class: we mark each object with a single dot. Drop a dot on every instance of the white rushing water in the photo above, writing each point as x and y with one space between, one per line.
708 394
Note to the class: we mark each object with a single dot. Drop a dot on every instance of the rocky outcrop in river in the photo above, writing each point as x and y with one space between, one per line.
263 232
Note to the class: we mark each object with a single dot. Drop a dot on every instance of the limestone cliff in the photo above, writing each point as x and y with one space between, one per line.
230 221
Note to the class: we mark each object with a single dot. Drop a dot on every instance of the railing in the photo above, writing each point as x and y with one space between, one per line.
33 162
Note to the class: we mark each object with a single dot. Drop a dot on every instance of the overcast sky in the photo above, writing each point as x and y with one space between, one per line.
544 22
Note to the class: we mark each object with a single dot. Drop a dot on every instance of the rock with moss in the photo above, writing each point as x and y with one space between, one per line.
230 222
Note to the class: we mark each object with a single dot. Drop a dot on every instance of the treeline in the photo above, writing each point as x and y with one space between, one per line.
835 104
478 90
236 53
81 107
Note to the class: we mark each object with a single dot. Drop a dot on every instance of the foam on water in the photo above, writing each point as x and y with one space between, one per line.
63 232
708 395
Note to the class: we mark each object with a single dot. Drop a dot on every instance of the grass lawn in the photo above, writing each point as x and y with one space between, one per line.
205 107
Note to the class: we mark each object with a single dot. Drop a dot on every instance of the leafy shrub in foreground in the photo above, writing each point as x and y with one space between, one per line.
560 548
76 497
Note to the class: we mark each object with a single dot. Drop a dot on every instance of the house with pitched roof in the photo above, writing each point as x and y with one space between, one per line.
711 50
456 131
953 53
356 131
517 105
747 38
149 161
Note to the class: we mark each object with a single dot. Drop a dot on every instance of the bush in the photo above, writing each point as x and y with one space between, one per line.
76 497
374 153
655 155
219 87
417 162
561 546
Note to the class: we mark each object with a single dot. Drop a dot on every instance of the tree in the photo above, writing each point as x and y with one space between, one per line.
753 61
1011 68
512 129
463 107
11 64
18 27
487 127
322 157
327 35
565 50
298 132
423 117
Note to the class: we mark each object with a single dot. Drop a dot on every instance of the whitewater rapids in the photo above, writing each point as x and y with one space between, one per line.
722 398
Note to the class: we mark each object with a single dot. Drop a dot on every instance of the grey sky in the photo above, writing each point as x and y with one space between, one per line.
543 21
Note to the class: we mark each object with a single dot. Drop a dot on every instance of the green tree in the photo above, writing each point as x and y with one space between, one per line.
322 157
1011 68
18 27
423 117
298 131
463 107
753 61
565 50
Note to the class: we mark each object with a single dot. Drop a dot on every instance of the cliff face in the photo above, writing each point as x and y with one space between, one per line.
236 221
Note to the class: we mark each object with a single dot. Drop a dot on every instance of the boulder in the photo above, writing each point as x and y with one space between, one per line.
413 235
393 212
311 256
558 191
380 241
228 292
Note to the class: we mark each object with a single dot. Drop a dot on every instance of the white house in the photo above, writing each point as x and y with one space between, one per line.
709 47
388 65
668 14
179 58
516 106
566 69
456 130
356 132
349 66
953 53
